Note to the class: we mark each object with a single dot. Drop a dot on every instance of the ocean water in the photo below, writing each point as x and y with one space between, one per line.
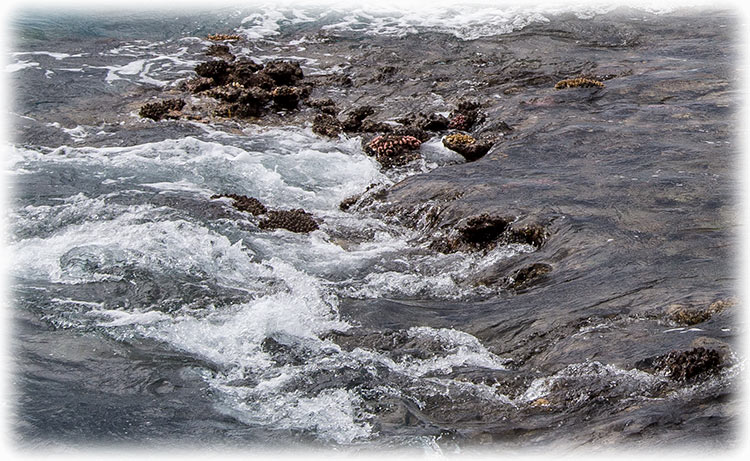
147 311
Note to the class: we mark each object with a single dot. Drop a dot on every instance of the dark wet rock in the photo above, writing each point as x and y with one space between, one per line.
467 146
326 125
198 84
432 122
249 102
393 150
348 202
283 354
370 126
354 118
257 80
325 105
297 220
162 109
244 72
690 315
465 116
527 276
220 51
413 131
286 73
244 203
530 234
484 232
217 70
684 366
579 82
228 93
286 97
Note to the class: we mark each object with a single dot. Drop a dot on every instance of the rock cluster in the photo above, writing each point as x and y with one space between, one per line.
687 315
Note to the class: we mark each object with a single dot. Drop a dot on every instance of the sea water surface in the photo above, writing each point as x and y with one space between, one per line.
147 311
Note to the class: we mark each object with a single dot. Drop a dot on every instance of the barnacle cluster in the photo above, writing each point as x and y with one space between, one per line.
393 150
222 37
459 122
458 138
464 144
579 82
297 220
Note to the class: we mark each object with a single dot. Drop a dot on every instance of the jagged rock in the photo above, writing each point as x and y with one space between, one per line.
217 70
244 72
244 203
220 51
292 220
325 105
354 119
286 97
162 109
369 126
432 122
228 93
393 150
684 366
527 276
530 234
468 147
198 84
413 131
286 73
326 125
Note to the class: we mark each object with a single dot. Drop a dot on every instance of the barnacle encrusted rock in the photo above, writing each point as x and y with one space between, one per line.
684 366
244 203
465 116
326 125
579 82
354 119
393 150
297 220
162 109
464 144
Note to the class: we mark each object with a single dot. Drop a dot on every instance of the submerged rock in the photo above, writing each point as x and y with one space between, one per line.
162 109
393 150
244 203
688 315
527 276
297 220
468 147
